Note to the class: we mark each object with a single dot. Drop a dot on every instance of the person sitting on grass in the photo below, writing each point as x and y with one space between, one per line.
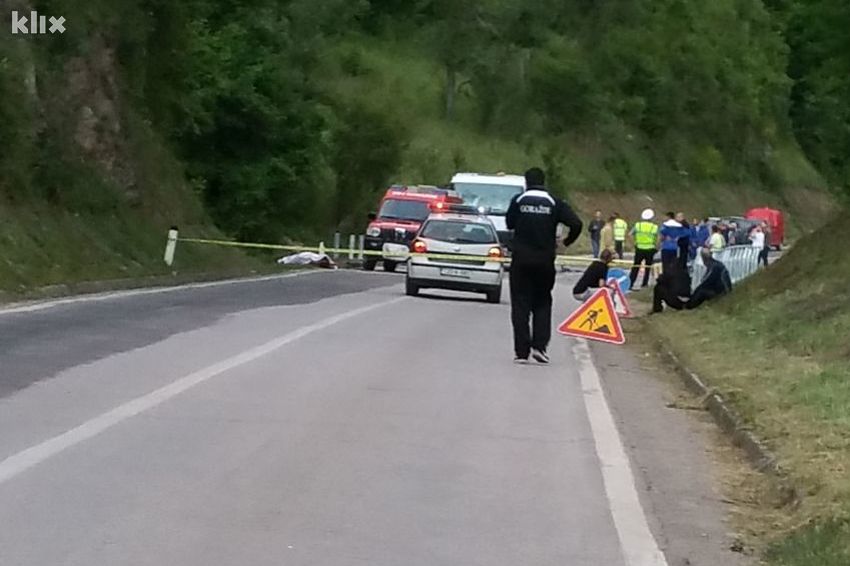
715 283
594 277
673 288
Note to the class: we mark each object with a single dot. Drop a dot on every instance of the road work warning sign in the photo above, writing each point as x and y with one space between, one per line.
596 319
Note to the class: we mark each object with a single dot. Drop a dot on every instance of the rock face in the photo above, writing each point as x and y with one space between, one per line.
92 98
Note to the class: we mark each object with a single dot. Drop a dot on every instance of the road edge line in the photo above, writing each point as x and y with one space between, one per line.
637 543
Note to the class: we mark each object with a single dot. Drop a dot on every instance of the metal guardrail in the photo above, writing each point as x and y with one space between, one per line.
741 261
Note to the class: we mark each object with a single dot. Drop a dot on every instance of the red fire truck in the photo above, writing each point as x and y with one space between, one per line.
399 216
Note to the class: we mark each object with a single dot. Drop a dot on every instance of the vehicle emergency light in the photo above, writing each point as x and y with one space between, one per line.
419 247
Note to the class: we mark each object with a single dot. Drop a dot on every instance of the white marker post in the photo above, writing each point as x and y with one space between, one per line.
351 243
361 246
171 246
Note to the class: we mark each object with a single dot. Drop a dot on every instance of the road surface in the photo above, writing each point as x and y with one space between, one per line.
317 419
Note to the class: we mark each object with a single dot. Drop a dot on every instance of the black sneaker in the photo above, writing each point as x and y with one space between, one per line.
540 356
520 361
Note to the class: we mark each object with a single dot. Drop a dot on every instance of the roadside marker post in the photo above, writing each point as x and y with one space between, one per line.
351 241
596 319
171 246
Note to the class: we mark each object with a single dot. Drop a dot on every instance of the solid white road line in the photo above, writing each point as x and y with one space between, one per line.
638 545
26 459
42 305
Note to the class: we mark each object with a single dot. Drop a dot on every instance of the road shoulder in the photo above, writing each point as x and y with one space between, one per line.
671 451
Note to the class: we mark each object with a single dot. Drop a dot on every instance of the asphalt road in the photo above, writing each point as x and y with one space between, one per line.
322 419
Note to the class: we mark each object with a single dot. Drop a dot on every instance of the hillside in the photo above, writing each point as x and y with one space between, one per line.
272 121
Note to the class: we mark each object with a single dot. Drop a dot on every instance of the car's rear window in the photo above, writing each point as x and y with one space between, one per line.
459 232
397 209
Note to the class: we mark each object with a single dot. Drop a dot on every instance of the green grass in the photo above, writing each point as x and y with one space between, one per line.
822 544
778 349
44 246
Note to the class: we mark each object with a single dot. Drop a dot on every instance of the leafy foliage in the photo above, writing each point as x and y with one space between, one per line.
650 91
820 66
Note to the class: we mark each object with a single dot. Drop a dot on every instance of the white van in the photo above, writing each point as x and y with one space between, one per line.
491 194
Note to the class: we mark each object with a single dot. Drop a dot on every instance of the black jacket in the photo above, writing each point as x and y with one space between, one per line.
534 217
716 280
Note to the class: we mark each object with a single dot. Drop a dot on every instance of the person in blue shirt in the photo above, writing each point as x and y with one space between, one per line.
695 241
671 231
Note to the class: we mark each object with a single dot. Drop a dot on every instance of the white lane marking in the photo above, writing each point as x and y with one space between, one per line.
42 305
638 545
26 459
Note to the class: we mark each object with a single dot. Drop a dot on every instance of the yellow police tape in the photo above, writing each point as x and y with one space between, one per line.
559 260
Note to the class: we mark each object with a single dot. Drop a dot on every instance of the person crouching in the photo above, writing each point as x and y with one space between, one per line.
594 277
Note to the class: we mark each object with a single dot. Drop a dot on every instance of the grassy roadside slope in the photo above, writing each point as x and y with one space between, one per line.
43 246
779 350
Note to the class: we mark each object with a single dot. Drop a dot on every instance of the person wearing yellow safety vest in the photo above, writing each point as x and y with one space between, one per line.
645 234
621 228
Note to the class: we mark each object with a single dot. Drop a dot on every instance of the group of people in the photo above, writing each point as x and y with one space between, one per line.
678 240
679 243
534 216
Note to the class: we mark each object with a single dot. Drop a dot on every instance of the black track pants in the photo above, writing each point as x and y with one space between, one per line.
531 296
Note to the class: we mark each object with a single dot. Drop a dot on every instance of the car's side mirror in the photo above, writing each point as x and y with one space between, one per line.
372 216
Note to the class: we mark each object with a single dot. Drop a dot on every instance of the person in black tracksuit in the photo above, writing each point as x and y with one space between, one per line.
534 217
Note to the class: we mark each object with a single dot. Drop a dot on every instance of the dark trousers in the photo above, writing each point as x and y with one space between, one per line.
662 294
618 247
668 259
594 245
684 248
531 296
701 296
647 256
763 255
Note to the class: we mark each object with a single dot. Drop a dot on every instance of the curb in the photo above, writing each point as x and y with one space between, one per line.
759 456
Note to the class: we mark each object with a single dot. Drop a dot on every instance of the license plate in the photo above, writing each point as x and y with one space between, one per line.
396 251
462 273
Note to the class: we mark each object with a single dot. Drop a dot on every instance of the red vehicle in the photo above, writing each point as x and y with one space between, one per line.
399 217
775 220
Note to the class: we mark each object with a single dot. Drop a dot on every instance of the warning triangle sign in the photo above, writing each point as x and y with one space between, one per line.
596 319
621 303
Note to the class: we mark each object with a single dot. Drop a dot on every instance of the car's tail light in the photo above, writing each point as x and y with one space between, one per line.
440 205
495 253
419 247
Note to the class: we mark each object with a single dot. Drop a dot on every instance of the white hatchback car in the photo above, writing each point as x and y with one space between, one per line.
449 234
